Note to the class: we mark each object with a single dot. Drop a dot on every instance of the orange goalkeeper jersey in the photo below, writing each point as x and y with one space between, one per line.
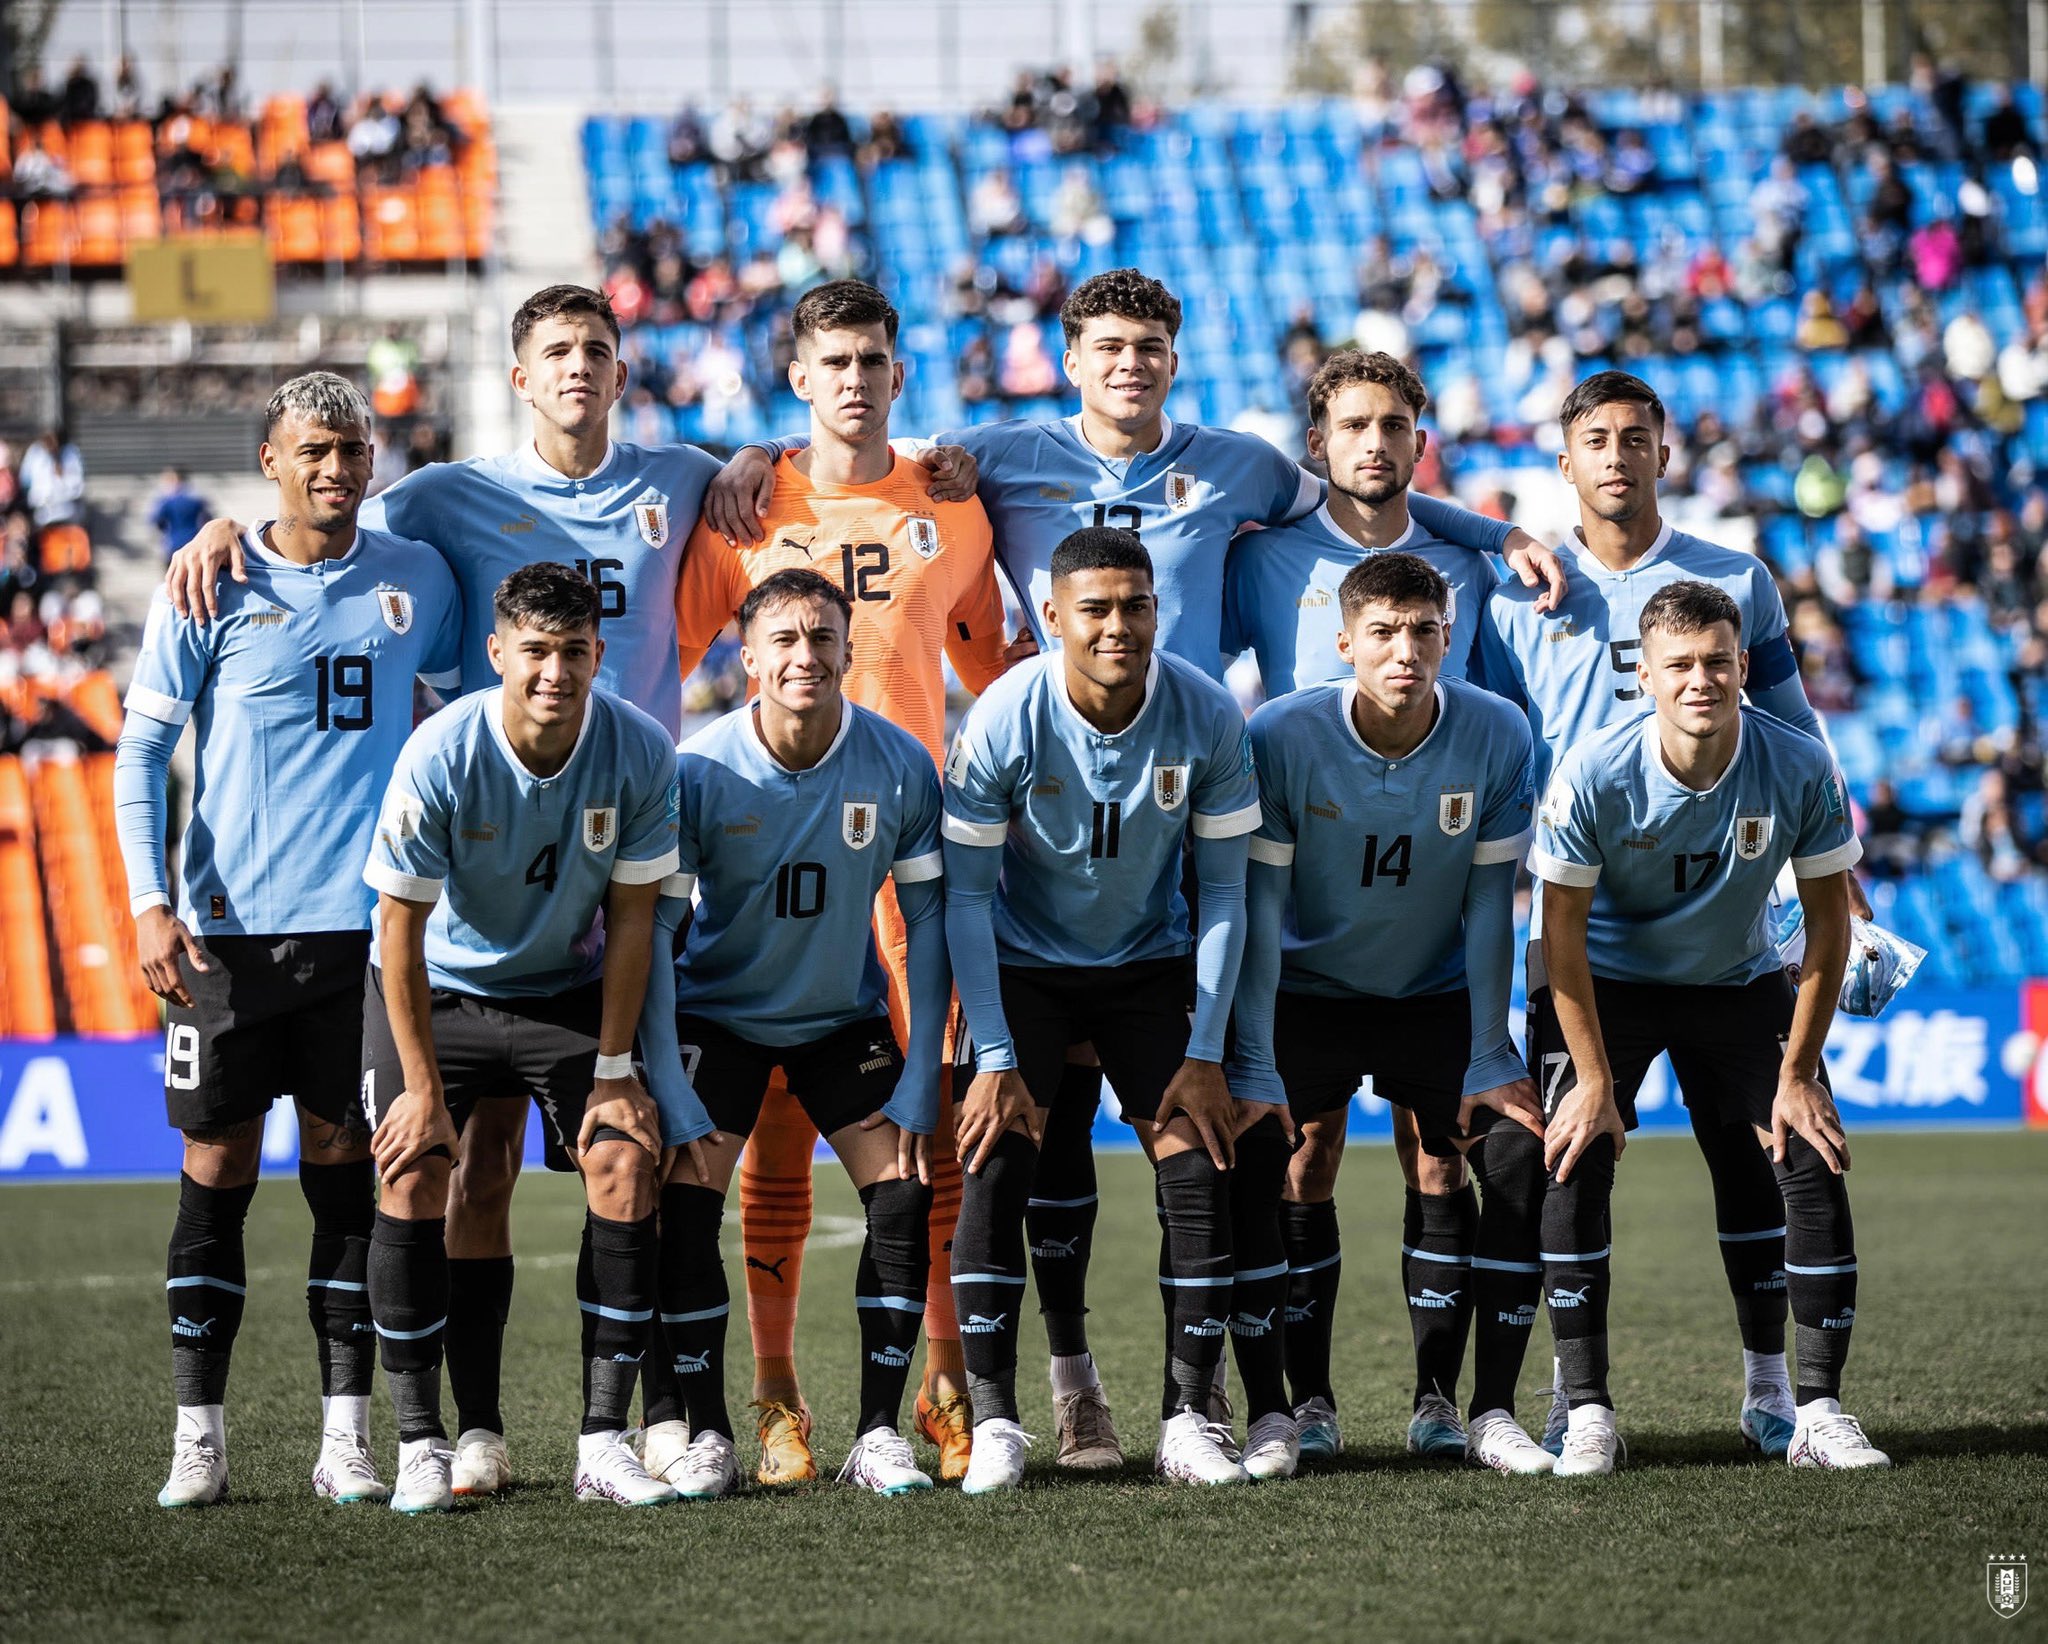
921 575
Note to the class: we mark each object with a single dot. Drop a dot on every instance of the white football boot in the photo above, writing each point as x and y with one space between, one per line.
881 1460
607 1470
1272 1449
1591 1445
1828 1437
1495 1439
199 1472
425 1477
483 1466
998 1459
346 1472
1190 1452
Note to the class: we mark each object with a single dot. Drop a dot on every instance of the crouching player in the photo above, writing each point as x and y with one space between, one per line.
524 836
1397 803
795 810
1657 843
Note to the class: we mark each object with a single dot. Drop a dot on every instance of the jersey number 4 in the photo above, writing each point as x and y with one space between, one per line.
341 693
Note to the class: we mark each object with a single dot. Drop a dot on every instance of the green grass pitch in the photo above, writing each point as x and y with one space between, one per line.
1689 1540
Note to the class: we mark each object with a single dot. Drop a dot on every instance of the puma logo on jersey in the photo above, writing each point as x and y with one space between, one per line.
1315 599
772 1269
270 616
483 833
519 526
1051 788
1332 812
1648 842
1056 493
1556 634
749 824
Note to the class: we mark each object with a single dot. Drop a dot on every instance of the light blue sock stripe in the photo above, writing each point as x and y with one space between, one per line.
1487 1264
1220 1283
1815 1272
625 1315
895 1304
701 1313
1434 1256
1317 1267
334 1284
1062 1204
412 1335
1751 1238
1599 1255
1249 1273
987 1278
201 1278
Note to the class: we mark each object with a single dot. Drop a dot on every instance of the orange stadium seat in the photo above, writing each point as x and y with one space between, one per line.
50 136
97 700
99 231
65 548
134 152
142 214
332 164
341 230
391 232
10 247
193 131
232 147
28 1005
49 233
293 225
92 154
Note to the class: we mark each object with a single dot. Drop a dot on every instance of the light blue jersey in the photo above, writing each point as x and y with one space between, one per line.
516 864
1381 849
1683 877
1574 668
300 692
1092 826
1280 596
623 527
787 865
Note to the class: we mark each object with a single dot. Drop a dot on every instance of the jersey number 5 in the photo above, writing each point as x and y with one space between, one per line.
1622 653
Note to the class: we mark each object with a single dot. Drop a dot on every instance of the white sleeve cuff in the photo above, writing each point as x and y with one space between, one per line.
139 905
406 887
1489 851
915 870
1560 872
647 872
963 832
679 885
1275 853
444 683
167 710
1844 855
1307 495
1230 826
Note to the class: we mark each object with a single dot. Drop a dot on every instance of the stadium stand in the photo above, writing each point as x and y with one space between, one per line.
1840 296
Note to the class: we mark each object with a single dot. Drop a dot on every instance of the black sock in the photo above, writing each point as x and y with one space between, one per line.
1436 1277
1059 1217
205 1281
1315 1263
696 1306
343 1200
617 1308
1507 1272
1196 1197
1749 1217
1258 1289
889 1295
988 1272
479 1302
408 1278
1820 1268
1576 1238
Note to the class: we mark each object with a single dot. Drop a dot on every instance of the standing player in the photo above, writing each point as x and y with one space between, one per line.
524 836
1080 778
1400 968
794 813
618 513
920 579
1574 669
1185 491
1658 843
301 696
1281 600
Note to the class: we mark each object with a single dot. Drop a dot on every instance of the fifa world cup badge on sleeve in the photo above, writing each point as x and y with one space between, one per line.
1454 812
2005 1584
1169 786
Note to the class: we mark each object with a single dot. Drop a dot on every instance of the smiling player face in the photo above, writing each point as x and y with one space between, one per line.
1369 440
849 377
1395 652
1123 369
321 472
1696 679
570 372
1106 622
1613 458
797 652
547 675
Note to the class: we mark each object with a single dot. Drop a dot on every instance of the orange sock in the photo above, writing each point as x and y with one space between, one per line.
775 1219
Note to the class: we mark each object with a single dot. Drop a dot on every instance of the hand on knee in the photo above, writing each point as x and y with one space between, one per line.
618 1180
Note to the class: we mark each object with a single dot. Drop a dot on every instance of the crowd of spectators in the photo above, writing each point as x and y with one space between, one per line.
55 626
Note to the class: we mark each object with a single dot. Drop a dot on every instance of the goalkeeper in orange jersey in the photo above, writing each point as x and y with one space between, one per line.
921 576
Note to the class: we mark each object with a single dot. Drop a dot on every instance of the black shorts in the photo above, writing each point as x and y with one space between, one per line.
837 1080
490 1049
1416 1051
270 1016
1726 1044
1135 1015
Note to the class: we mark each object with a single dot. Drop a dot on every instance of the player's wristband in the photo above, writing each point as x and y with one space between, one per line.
613 1067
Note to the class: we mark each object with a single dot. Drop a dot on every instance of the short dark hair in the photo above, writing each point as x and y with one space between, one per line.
839 304
1125 292
1689 608
1099 548
792 586
1605 388
555 598
1391 579
1352 365
553 301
